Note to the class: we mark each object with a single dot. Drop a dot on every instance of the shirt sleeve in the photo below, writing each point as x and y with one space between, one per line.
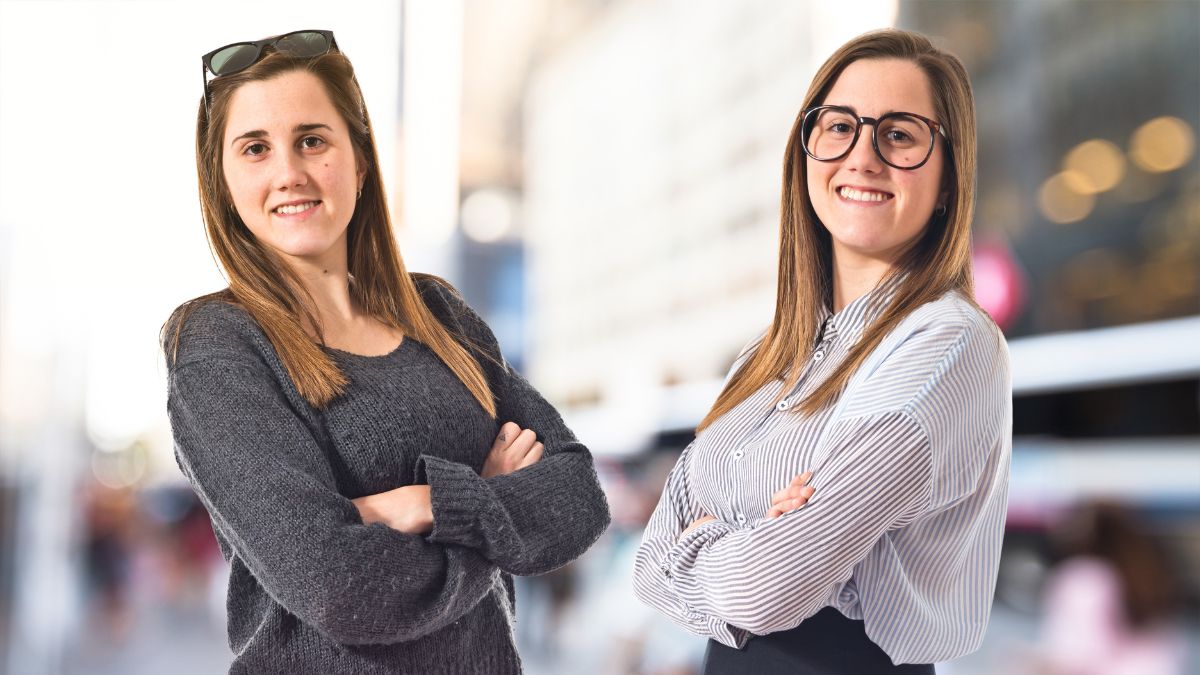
910 441
660 546
530 521
772 576
270 491
677 509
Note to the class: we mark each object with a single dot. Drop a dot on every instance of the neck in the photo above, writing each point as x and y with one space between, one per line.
855 276
327 280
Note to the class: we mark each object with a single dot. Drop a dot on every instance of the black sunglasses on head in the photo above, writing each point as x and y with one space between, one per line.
241 55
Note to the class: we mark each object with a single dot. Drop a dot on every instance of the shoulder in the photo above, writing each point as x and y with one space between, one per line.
955 318
944 346
963 360
439 295
207 327
452 311
949 332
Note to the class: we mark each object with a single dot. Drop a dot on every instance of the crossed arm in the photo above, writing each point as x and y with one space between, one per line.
409 509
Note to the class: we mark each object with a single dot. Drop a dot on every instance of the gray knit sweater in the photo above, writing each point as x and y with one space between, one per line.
313 589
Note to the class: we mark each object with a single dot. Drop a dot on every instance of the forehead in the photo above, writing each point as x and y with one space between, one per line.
280 104
877 86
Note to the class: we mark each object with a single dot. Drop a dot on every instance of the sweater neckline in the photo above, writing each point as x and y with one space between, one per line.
369 357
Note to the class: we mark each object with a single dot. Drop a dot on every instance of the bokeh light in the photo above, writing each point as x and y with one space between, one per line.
1162 144
1061 201
1094 166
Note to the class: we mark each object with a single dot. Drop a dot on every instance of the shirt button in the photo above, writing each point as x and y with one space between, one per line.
782 405
820 354
741 518
738 454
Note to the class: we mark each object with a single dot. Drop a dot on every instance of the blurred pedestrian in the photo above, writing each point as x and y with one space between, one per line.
373 469
879 400
1111 604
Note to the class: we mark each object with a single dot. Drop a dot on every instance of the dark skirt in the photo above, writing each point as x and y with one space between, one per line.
827 643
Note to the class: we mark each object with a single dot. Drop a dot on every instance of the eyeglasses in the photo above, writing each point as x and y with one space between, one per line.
241 55
902 140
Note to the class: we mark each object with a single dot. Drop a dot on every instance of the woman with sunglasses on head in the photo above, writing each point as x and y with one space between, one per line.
842 506
374 471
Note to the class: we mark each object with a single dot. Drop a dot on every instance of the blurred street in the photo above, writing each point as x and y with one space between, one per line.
601 181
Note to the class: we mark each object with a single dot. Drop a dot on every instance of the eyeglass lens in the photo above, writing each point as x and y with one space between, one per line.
902 140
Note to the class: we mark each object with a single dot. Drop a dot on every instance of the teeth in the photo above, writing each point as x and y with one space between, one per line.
292 209
860 196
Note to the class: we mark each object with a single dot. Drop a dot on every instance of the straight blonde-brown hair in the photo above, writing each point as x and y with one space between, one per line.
266 287
939 260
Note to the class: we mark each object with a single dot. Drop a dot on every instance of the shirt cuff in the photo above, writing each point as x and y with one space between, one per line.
689 545
684 553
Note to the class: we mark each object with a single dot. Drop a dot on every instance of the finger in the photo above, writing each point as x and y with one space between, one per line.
523 443
534 454
803 499
508 431
801 479
800 492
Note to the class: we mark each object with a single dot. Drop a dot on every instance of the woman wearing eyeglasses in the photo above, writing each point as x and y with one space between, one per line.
842 506
374 471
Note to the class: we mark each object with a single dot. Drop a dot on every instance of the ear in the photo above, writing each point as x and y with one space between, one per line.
944 198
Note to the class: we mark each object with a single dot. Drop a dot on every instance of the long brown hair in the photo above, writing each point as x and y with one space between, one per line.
262 283
939 261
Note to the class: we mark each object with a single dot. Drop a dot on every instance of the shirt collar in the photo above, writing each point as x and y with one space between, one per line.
856 316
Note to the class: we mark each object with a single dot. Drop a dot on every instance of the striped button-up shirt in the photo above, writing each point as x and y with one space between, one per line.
910 472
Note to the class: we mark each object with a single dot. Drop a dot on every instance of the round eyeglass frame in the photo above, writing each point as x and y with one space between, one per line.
935 128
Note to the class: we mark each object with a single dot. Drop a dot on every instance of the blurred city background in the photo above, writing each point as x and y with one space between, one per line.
601 179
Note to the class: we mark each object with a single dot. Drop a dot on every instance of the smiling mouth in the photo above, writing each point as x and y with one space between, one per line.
863 195
293 209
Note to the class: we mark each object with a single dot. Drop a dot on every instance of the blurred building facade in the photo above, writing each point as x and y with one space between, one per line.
653 154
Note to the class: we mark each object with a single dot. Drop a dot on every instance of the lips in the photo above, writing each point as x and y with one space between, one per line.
293 208
863 194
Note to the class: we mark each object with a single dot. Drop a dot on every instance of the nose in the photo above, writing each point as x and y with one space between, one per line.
862 156
291 172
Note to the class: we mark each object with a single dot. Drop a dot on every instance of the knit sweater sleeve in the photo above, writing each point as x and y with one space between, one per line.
242 441
530 521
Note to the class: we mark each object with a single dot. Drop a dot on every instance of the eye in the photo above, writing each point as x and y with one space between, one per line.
841 128
898 136
255 149
311 142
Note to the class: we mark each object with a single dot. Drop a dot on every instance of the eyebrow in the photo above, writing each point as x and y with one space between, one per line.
299 129
857 114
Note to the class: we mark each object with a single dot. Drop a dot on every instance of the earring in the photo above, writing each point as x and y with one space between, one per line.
940 210
359 192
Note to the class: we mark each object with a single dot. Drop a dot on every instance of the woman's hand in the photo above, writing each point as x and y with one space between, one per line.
515 448
407 509
792 497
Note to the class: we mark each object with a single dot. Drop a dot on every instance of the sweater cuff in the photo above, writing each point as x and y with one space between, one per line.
457 495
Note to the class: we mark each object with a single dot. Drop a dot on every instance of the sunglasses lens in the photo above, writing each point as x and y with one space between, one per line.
303 44
233 58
